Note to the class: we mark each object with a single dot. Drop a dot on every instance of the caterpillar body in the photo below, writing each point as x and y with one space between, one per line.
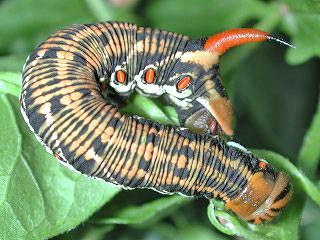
62 100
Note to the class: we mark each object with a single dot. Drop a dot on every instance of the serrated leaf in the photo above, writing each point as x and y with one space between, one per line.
147 212
39 198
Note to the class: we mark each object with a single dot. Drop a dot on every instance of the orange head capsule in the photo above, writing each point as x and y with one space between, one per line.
265 195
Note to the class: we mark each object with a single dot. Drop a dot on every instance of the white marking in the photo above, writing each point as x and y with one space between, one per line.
183 103
102 79
49 119
172 90
26 81
97 158
148 89
118 87
90 154
54 136
31 128
24 65
237 145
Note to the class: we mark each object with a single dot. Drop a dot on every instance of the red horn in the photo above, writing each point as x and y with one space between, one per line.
223 41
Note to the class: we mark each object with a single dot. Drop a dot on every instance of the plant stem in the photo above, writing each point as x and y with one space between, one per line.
309 153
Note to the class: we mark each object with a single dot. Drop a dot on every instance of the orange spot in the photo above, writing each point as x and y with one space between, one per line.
140 174
175 180
65 100
184 83
57 157
121 76
223 41
149 77
262 165
222 111
182 161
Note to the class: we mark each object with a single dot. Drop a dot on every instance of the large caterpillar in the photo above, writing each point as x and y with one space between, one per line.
62 99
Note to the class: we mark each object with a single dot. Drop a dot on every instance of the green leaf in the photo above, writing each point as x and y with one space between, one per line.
150 211
87 232
193 230
302 22
197 231
308 6
310 223
151 109
12 63
39 198
10 83
108 10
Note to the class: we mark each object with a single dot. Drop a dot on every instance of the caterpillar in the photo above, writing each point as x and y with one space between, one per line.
67 82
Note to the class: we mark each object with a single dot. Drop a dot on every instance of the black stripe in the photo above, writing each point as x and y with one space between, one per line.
283 193
276 210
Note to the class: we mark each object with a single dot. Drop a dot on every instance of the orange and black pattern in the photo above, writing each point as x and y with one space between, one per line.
62 99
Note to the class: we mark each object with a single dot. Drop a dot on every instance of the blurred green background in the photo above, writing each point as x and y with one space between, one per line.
274 90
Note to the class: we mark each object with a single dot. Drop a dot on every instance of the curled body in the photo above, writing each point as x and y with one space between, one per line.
63 101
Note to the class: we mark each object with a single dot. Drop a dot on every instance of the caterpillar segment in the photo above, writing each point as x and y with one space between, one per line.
65 81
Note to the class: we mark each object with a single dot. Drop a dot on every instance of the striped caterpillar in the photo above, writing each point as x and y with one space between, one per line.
63 100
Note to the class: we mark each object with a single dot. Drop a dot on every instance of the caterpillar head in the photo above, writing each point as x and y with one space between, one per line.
267 192
196 87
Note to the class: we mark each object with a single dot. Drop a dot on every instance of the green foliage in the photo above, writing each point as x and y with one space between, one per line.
274 105
151 109
302 19
228 13
150 211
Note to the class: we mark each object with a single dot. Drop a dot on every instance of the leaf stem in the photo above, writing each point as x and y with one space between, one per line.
309 154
